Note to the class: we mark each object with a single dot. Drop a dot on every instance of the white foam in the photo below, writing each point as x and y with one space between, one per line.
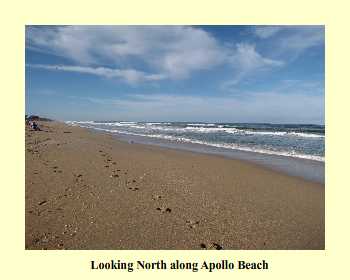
230 130
157 123
220 145
199 128
238 147
307 135
90 124
117 123
79 122
201 124
282 133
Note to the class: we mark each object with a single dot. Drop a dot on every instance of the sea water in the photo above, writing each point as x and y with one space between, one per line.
298 149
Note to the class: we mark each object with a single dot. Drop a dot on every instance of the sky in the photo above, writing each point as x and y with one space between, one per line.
260 74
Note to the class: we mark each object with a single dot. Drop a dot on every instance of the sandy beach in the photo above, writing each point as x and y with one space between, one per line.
87 190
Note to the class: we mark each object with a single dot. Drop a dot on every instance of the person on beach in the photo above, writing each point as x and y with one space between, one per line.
35 126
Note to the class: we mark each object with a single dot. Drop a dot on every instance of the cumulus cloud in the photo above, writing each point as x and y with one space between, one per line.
246 61
153 53
266 31
176 51
130 75
285 43
291 40
299 39
173 52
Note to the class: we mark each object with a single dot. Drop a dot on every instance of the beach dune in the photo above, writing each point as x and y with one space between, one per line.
88 190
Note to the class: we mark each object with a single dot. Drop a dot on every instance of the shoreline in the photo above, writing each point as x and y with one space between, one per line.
307 169
92 191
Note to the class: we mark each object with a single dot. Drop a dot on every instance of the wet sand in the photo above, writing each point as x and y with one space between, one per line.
86 190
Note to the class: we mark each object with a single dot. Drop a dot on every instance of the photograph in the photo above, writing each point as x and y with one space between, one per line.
174 137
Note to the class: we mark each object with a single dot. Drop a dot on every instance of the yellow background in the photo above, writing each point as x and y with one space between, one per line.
16 262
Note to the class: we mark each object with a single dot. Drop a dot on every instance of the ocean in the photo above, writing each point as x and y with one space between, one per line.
276 145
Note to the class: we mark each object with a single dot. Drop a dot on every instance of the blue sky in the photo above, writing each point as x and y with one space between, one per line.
176 73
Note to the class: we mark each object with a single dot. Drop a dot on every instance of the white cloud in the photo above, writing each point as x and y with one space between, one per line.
266 31
176 51
291 40
299 39
151 53
173 52
130 75
246 61
247 58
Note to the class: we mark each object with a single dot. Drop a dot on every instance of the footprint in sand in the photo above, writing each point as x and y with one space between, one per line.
78 177
217 246
42 202
55 169
102 153
164 210
192 224
211 246
156 197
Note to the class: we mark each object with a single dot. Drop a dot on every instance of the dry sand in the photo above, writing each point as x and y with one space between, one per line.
86 190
